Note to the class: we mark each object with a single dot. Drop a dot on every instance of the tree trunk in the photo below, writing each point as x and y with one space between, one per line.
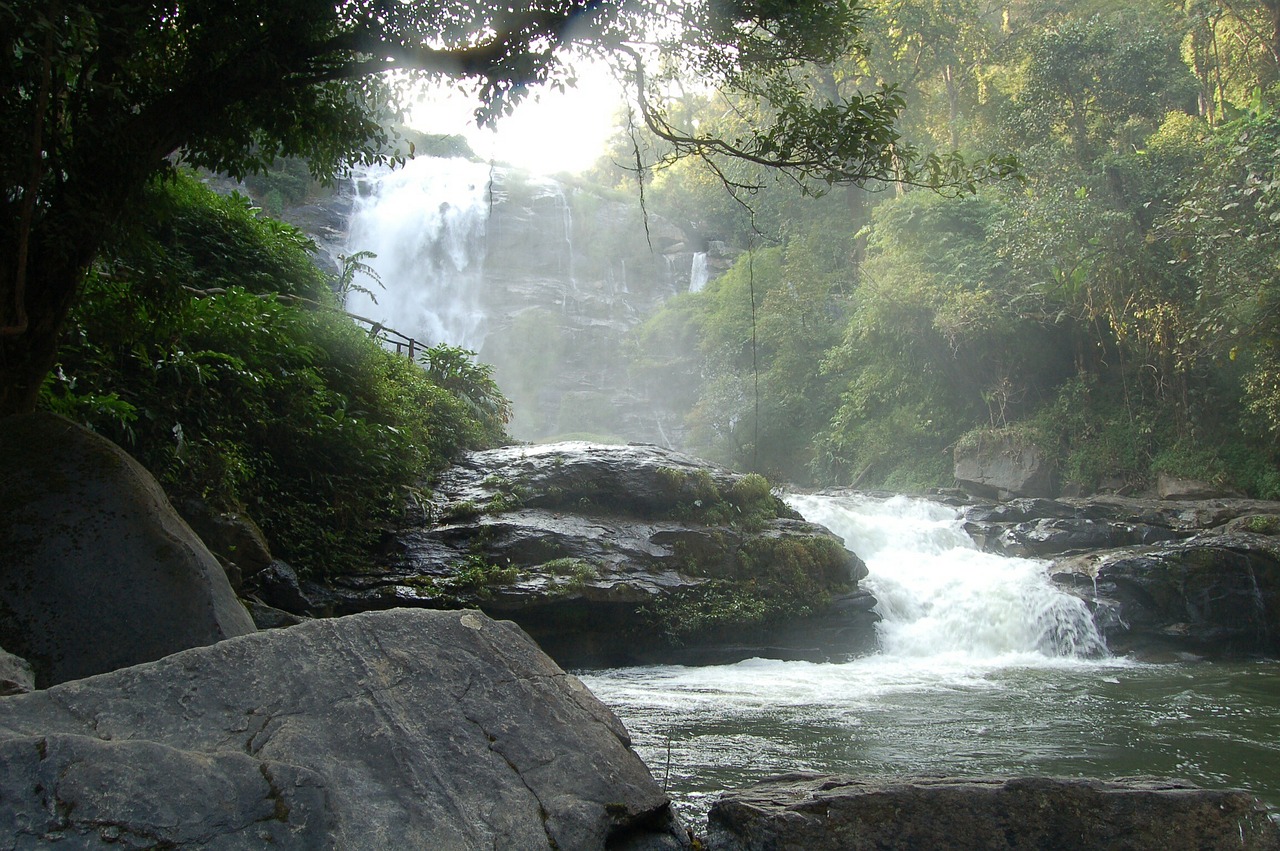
54 270
1272 72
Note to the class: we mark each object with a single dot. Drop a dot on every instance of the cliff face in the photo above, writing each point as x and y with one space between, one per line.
568 274
543 279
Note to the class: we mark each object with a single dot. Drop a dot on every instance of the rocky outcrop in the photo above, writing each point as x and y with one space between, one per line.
1212 594
98 571
16 676
817 812
1182 576
385 730
624 554
1001 467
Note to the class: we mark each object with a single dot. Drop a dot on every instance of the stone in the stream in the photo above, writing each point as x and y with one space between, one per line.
611 555
401 729
1003 467
809 812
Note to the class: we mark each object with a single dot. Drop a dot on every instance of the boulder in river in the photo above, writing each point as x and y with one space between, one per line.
1181 576
402 729
612 554
816 812
98 570
1214 594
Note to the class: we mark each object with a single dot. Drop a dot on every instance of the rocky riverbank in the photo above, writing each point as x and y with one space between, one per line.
1162 576
144 710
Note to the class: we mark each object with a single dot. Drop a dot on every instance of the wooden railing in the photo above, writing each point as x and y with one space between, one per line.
404 344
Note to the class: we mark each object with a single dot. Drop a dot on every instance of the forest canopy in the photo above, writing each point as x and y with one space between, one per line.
1116 307
99 97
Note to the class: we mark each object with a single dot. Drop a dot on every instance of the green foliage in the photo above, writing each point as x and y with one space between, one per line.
774 580
749 503
283 409
478 576
1117 305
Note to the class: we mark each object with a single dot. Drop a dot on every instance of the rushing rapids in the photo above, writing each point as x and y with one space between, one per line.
984 668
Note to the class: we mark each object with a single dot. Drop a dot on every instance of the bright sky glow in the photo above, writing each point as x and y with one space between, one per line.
550 132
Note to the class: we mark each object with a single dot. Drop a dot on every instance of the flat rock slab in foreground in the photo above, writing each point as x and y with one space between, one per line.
400 729
814 813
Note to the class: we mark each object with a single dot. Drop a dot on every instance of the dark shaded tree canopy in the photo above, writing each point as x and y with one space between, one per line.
99 97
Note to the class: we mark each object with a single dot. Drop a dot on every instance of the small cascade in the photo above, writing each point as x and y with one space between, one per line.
427 223
940 597
698 273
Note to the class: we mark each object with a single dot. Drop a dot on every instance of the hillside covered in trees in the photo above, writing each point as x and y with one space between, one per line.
1116 305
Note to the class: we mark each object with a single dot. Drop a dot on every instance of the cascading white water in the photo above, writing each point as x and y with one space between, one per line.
698 273
427 223
940 597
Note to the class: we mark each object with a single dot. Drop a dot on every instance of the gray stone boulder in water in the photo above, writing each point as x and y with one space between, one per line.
1213 594
98 571
403 729
1161 576
816 813
624 554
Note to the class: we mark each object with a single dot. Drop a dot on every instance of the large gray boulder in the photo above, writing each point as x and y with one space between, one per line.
1002 466
98 571
816 813
615 555
1213 594
402 729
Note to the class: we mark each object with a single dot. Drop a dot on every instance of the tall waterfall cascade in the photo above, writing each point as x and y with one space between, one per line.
427 223
699 272
940 597
542 279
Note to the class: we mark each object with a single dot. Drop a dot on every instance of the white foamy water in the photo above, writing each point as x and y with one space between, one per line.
941 599
427 222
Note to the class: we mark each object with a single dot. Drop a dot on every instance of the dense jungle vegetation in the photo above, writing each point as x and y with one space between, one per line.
1116 306
195 332
212 348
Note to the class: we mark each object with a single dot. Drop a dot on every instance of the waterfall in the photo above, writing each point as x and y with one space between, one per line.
698 272
427 222
940 597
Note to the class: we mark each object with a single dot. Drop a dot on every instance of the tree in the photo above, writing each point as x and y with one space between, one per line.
99 97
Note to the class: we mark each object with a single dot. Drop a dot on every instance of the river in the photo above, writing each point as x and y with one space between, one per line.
984 669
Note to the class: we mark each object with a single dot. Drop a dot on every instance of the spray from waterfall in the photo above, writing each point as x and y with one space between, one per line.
427 223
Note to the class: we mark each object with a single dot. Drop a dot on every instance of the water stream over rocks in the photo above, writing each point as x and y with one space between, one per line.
985 668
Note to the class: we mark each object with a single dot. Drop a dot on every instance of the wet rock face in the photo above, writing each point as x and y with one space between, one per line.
1199 576
1212 594
386 730
97 571
567 275
817 812
624 554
